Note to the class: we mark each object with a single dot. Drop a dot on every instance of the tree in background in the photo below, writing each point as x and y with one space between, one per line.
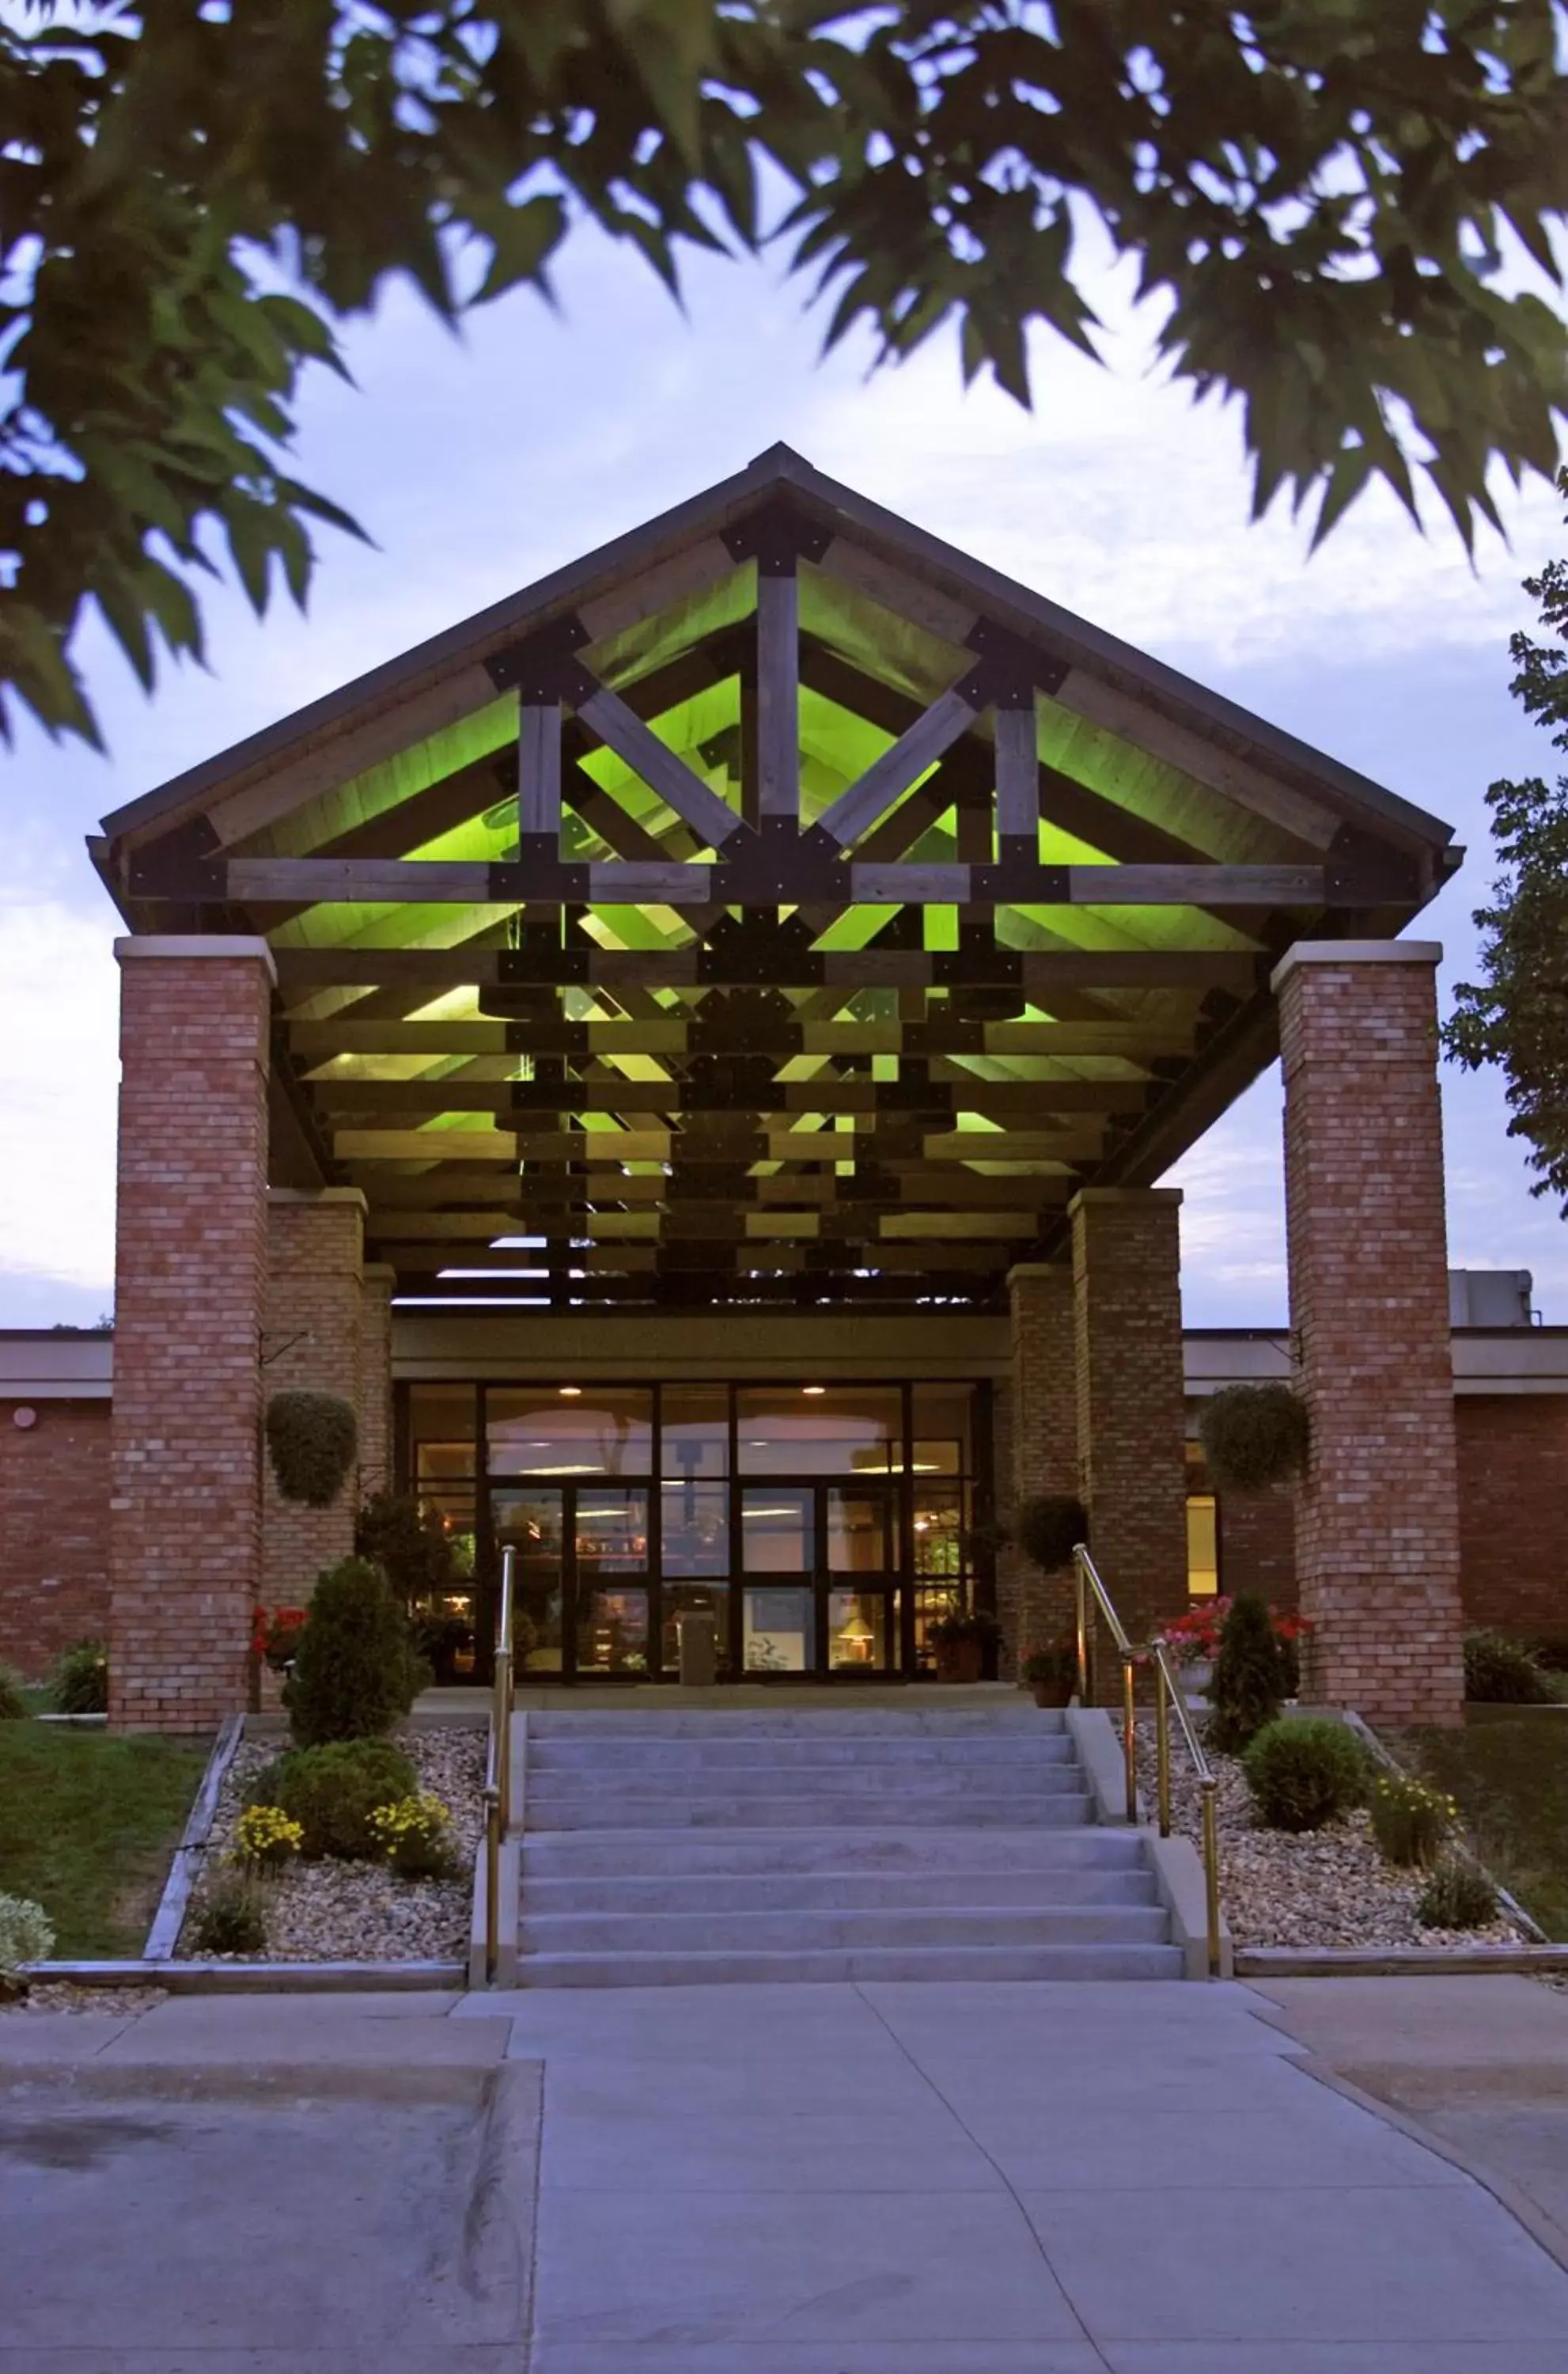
1516 1016
1330 201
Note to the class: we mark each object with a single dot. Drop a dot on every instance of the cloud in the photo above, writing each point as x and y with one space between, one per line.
59 1067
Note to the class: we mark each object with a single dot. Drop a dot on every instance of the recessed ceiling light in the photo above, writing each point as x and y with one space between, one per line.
570 1392
814 1389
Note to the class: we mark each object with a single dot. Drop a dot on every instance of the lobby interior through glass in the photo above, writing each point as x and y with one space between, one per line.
824 1526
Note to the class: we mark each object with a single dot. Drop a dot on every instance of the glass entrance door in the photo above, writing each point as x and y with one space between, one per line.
820 1590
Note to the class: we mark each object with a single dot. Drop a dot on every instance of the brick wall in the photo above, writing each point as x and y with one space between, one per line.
1377 1511
375 1382
54 1531
1131 1401
1257 1544
1043 1441
1513 1511
310 1339
190 1266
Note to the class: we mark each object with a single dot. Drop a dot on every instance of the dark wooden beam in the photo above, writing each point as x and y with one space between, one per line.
430 970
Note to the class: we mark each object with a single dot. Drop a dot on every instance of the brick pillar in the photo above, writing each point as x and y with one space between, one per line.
190 1266
1131 1401
1377 1532
375 1380
311 1337
1034 1608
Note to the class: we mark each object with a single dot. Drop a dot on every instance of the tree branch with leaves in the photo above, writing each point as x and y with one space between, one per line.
1329 201
1516 1016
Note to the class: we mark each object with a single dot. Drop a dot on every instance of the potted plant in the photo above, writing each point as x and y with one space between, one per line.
1052 1671
961 1639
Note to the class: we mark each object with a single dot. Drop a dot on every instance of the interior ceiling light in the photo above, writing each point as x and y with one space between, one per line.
517 1244
570 1392
814 1389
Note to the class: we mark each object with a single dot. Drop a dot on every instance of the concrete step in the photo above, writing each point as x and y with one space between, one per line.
635 1853
724 1892
1008 1711
838 1783
1014 1749
587 1809
800 1931
841 1964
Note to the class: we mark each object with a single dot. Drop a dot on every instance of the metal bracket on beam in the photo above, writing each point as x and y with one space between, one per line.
540 666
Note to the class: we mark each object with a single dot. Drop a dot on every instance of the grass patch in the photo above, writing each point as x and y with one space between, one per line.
88 1826
1508 1769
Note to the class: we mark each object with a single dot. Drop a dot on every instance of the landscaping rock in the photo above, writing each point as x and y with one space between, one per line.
331 1911
1324 1887
109 2003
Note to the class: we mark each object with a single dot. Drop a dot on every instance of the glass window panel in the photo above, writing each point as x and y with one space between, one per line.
709 1598
779 1634
1202 1545
696 1528
928 1605
859 1627
839 1430
601 1430
777 1528
938 1532
534 1524
694 1423
612 1631
441 1432
612 1532
860 1532
941 1414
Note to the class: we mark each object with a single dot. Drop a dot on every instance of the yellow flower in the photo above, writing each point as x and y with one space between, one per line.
265 1836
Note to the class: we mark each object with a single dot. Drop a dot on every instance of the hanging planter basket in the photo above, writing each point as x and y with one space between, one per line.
312 1440
1050 1527
1253 1436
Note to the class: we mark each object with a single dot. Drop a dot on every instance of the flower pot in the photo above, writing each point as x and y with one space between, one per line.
959 1660
266 1693
1053 1694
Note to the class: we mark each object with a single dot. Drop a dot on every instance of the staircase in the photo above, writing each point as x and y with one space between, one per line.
677 1847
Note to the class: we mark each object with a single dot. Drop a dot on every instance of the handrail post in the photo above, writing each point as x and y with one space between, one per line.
1211 1874
492 1884
1163 1743
504 1688
1082 1589
1130 1732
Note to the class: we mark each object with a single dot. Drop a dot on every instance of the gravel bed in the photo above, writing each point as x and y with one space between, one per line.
109 2003
1326 1887
331 1911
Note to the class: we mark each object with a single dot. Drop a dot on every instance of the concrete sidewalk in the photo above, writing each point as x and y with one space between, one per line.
996 2180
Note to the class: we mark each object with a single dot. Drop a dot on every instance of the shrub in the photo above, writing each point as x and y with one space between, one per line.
353 1665
1303 1774
313 1438
228 1918
1458 1895
1050 1527
1502 1671
1252 1436
27 1934
14 1707
408 1543
1409 1821
415 1835
1247 1687
959 1624
332 1792
80 1681
266 1837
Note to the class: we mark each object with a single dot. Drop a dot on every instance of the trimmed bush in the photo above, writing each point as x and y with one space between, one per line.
355 1668
1409 1821
1458 1895
26 1934
14 1707
312 1440
1501 1672
229 1919
333 1790
1252 1436
1248 1687
1304 1773
408 1543
80 1684
1050 1527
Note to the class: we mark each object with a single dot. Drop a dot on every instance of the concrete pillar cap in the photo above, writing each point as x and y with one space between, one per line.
311 1196
186 945
1124 1195
1354 952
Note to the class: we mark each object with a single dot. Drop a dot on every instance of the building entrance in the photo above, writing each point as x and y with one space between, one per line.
824 1527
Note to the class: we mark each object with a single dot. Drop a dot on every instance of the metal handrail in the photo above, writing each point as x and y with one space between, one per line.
498 1767
1168 1692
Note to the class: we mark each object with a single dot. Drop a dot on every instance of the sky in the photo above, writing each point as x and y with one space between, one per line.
479 464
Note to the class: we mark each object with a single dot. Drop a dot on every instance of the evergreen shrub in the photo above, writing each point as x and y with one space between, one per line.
14 1707
1247 1688
1500 1671
312 1439
27 1934
354 1667
80 1684
228 1918
332 1792
1458 1895
1304 1772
